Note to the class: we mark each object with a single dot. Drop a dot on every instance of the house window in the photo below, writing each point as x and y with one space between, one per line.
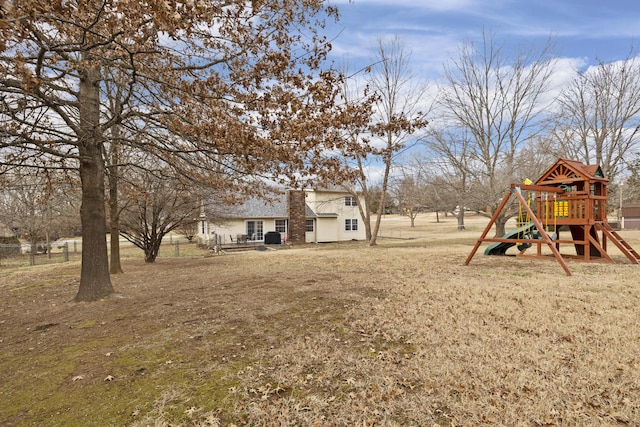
351 224
350 201
308 225
255 230
281 225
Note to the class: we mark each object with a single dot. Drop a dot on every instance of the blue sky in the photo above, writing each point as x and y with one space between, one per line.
584 30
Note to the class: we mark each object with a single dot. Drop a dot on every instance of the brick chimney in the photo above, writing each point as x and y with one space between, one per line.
296 211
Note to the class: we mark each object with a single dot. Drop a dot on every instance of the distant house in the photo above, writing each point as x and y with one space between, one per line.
8 235
631 216
302 216
9 243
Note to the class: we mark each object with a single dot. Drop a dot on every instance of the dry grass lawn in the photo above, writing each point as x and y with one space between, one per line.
396 335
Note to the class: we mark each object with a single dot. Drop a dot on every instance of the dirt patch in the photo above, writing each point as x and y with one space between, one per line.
327 335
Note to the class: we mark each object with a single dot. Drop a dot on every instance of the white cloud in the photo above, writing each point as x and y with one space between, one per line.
441 6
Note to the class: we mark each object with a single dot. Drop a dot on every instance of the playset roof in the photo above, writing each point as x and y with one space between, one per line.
569 171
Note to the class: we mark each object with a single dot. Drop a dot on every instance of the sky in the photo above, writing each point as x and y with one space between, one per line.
584 31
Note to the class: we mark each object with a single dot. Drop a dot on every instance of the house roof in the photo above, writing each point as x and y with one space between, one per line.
331 188
272 206
310 213
6 232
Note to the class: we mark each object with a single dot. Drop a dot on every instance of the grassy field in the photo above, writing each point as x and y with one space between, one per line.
320 335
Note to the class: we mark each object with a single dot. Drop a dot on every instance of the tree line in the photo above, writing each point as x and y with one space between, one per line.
501 116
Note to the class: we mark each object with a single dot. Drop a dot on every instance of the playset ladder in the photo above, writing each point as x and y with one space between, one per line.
624 247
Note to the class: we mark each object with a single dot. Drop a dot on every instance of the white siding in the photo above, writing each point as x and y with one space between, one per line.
327 230
333 229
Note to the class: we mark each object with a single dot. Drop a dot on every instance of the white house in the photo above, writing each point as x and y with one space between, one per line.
303 216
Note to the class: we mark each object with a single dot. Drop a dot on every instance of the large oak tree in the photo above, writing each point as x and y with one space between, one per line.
217 89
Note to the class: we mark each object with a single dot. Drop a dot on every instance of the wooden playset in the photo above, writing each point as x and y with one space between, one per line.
570 196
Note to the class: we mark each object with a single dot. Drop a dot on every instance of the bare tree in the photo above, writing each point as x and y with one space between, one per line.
113 170
410 190
440 199
230 83
498 101
158 205
115 96
448 155
189 228
40 208
599 116
396 116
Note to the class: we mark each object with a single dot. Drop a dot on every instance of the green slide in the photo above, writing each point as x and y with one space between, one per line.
500 248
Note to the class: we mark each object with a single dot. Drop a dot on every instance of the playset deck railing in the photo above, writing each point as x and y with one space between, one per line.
572 208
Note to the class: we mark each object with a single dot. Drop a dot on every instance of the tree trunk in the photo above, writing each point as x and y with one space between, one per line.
383 193
461 219
151 254
500 225
153 249
365 210
367 228
114 266
114 214
372 240
48 243
95 282
366 218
